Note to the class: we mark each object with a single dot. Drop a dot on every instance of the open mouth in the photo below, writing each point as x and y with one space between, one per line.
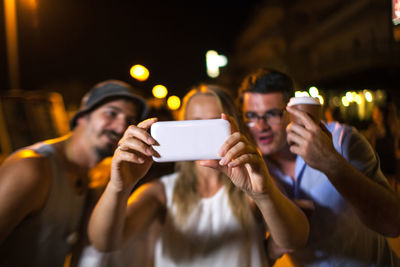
265 140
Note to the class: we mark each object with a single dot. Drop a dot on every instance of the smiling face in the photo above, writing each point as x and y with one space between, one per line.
104 126
270 138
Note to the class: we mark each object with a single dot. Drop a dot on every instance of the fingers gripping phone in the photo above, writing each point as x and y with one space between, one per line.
190 139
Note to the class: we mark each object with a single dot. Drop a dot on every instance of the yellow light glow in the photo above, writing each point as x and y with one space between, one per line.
345 101
368 96
354 96
27 154
313 91
320 98
160 91
301 93
214 62
139 72
349 97
357 99
173 102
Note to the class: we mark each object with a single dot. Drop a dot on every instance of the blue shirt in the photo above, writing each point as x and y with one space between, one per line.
337 236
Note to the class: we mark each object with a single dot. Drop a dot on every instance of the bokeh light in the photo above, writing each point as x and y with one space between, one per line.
301 93
313 91
139 72
320 99
349 97
345 101
368 96
159 91
214 61
358 99
173 102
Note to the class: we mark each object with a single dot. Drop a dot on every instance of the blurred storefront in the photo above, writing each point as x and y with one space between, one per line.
27 117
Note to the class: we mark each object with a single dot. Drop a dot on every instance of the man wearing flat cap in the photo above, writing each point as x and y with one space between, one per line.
43 187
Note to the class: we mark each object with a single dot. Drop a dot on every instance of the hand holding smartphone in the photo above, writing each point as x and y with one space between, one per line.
190 139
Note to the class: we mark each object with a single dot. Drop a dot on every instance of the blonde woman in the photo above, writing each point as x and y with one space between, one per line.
211 213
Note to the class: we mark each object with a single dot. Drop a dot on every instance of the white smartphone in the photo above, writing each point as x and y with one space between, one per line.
189 139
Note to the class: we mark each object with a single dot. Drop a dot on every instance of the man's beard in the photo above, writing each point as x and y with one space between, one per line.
108 149
104 152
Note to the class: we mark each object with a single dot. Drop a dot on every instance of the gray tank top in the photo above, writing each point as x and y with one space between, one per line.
44 239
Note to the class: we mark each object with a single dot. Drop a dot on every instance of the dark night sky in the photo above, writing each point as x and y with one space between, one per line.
88 41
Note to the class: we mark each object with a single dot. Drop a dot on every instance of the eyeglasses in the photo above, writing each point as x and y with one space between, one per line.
272 116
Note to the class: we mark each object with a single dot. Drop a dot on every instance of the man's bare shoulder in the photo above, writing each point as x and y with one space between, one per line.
26 170
24 185
24 160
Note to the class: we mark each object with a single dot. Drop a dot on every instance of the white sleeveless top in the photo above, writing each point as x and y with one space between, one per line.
212 235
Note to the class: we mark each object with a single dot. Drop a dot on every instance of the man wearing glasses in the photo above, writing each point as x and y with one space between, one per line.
330 171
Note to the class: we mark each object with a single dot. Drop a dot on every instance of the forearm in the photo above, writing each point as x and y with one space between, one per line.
375 204
287 224
108 218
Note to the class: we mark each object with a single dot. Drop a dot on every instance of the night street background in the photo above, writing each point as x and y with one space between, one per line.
74 44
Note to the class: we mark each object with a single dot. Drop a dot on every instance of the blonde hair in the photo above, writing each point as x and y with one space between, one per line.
185 194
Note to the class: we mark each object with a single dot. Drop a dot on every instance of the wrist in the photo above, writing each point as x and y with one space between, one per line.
119 189
334 164
265 195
